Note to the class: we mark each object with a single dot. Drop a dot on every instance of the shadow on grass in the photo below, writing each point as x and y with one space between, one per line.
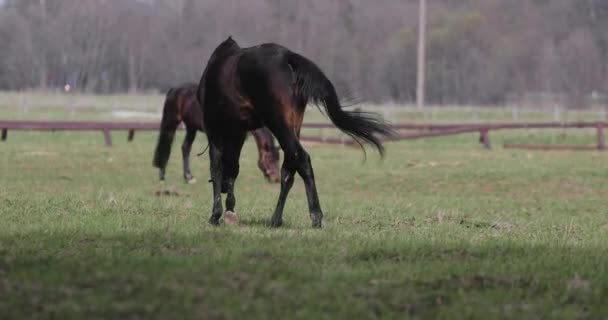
263 223
220 274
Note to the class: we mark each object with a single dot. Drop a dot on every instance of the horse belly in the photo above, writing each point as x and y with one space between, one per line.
241 115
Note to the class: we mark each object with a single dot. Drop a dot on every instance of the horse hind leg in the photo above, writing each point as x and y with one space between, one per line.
161 175
287 176
230 165
296 159
304 168
186 148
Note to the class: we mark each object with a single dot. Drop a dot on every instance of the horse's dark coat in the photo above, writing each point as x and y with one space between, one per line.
267 85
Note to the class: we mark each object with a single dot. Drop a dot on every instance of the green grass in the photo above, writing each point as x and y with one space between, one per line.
438 229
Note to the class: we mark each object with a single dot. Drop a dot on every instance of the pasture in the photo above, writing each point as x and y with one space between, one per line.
438 229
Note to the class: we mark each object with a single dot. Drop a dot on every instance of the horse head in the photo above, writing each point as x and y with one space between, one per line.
269 163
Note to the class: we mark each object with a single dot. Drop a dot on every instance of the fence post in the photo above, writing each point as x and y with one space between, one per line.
4 134
601 138
484 138
131 135
557 113
514 113
107 137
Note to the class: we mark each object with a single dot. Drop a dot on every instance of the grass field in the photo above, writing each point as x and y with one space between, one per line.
438 229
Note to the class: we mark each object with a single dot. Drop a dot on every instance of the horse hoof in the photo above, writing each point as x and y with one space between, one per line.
214 221
276 223
316 224
191 180
230 218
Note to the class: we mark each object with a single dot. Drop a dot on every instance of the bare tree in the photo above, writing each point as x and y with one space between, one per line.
479 51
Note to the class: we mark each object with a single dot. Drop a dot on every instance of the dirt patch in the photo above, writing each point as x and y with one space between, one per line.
260 258
578 284
86 241
169 193
475 224
442 216
381 255
478 282
396 256
182 251
378 255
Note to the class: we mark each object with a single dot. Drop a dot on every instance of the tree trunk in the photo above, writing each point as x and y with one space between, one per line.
44 69
132 73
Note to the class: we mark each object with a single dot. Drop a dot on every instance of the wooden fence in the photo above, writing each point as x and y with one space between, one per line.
422 130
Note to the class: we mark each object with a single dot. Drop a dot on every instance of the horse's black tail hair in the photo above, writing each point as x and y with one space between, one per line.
168 126
313 86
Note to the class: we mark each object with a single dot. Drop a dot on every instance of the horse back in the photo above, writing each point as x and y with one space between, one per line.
192 114
181 105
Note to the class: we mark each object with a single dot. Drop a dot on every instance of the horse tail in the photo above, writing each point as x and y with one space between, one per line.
311 85
168 125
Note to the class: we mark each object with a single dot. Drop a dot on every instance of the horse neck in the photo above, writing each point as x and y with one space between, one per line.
224 50
220 54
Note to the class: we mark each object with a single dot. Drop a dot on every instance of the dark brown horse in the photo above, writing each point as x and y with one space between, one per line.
268 85
181 105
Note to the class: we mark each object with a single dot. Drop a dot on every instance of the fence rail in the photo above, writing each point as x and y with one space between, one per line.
424 130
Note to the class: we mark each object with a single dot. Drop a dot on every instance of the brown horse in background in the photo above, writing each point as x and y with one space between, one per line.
181 105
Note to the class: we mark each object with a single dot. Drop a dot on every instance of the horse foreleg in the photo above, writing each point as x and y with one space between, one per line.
215 157
230 162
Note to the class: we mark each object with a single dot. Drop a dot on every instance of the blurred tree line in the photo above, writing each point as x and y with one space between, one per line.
479 51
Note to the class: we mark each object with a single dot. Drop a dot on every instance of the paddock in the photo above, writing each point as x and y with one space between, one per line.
441 226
